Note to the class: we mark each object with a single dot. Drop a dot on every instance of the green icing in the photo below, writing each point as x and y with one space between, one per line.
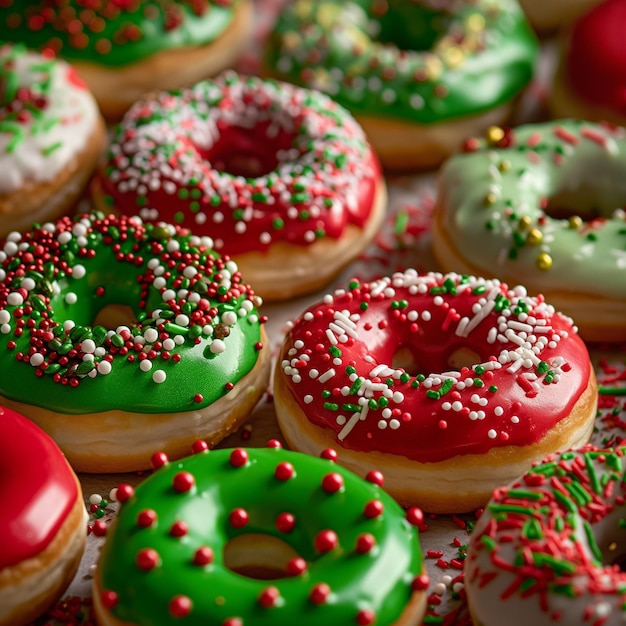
405 59
114 33
379 581
532 196
120 258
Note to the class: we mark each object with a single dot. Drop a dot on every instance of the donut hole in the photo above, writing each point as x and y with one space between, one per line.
248 152
409 26
587 203
258 556
114 315
418 361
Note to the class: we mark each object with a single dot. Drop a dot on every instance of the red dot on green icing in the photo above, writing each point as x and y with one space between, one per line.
109 599
421 582
179 529
203 556
332 483
146 518
326 540
238 518
284 471
238 457
180 606
374 508
365 617
183 482
319 593
147 559
124 492
365 543
296 566
269 597
285 522
199 446
329 454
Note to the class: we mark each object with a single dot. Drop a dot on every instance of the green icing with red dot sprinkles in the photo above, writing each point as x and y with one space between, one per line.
528 367
170 160
547 547
114 32
359 559
422 62
197 330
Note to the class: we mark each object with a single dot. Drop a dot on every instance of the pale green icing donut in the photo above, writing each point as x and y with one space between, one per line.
542 204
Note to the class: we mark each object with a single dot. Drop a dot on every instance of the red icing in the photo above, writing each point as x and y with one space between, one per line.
37 489
596 63
326 182
425 431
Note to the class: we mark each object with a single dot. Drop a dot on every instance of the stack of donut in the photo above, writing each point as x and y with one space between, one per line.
126 49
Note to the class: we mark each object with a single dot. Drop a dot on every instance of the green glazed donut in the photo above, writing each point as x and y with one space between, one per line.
189 359
415 63
357 554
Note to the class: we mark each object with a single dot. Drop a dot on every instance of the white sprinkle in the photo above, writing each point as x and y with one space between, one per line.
15 299
104 368
217 346
492 434
95 498
327 375
88 346
5 317
145 365
308 399
159 376
36 359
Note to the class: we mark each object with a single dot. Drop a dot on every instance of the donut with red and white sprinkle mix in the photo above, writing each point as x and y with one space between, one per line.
282 178
450 384
124 49
263 537
548 548
115 335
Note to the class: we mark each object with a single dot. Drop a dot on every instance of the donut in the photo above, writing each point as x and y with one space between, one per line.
543 204
339 549
546 17
590 82
418 76
124 49
115 335
43 523
280 177
547 549
450 385
51 136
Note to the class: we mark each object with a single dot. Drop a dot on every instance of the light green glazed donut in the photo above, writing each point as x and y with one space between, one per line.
543 205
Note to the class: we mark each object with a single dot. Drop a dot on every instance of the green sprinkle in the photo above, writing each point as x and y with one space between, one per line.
331 406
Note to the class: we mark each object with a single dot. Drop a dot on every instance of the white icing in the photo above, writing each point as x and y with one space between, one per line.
71 104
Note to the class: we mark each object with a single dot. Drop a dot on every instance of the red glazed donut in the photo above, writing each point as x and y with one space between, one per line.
42 521
282 178
591 78
451 385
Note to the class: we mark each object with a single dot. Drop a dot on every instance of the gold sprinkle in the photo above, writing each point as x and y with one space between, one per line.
544 261
535 237
475 22
433 67
454 56
504 166
490 199
303 9
494 134
327 16
613 546
291 41
525 222
575 222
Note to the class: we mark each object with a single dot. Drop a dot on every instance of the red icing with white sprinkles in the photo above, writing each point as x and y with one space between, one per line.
251 162
547 547
526 367
37 489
